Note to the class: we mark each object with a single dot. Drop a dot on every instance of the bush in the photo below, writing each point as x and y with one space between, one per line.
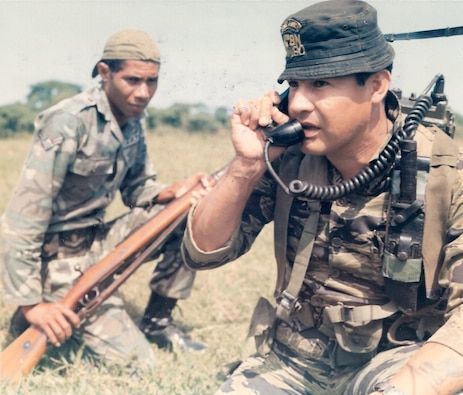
202 123
15 118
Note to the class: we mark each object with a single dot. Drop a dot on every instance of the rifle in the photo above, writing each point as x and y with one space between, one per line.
100 281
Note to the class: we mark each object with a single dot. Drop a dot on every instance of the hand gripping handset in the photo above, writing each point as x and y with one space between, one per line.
284 135
289 133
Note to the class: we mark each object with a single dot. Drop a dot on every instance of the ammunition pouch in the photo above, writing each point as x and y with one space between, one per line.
350 335
262 326
355 344
357 331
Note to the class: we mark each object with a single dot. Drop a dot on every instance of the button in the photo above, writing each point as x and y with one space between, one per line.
316 301
403 256
336 242
46 248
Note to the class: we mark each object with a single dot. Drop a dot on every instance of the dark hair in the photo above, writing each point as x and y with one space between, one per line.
114 65
362 77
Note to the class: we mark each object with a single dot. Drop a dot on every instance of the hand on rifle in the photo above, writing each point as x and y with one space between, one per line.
181 187
54 319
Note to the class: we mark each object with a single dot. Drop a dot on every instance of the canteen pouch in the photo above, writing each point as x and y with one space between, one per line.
355 344
262 326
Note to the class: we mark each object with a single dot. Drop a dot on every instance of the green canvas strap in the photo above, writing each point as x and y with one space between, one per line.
289 167
288 302
289 280
359 314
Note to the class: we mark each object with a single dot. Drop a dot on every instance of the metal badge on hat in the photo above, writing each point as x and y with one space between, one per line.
290 32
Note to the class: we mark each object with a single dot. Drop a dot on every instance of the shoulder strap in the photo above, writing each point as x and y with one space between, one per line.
287 171
288 301
289 282
441 179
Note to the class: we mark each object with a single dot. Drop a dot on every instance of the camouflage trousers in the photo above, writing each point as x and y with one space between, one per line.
110 334
285 371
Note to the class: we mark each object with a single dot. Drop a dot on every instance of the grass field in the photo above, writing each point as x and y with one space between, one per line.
217 312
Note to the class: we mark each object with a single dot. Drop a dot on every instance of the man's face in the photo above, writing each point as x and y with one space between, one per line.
130 89
336 114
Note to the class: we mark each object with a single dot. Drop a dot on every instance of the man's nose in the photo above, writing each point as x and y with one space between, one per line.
301 101
143 91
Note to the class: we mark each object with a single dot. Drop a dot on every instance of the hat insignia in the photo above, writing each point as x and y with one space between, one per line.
290 33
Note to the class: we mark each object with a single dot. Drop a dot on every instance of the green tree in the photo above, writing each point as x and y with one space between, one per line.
222 116
202 123
175 115
14 118
46 94
19 117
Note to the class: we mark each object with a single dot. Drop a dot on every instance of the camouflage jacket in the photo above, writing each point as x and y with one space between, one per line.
79 159
346 261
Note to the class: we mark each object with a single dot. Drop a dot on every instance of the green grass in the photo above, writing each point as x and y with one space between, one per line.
217 313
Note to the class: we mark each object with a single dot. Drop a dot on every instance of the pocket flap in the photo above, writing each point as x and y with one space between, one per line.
262 319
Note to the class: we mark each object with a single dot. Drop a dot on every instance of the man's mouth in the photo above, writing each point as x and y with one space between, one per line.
310 131
139 106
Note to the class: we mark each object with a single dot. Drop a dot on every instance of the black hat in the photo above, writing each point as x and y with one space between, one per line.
332 39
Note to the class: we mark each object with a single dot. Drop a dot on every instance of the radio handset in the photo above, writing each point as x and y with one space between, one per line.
289 133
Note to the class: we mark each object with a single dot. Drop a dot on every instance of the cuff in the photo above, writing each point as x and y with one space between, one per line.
197 258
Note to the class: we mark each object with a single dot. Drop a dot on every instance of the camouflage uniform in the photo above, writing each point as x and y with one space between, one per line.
79 160
311 353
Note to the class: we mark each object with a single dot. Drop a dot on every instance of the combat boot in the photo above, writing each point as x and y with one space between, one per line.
158 326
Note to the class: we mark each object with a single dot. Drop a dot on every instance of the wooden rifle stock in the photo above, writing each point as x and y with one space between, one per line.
24 353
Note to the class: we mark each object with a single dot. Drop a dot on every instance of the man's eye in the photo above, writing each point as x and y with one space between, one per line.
292 84
320 83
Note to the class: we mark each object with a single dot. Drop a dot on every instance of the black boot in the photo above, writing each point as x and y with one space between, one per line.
158 326
18 323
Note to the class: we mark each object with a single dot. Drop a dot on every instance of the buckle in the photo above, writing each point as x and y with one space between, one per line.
346 313
288 301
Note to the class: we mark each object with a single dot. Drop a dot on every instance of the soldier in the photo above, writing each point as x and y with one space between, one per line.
85 149
337 328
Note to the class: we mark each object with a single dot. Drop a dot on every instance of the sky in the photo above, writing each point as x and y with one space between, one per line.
213 51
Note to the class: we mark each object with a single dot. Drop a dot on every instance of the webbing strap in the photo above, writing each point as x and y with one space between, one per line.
442 177
288 171
289 297
359 314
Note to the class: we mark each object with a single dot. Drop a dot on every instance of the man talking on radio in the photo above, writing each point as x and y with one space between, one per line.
366 302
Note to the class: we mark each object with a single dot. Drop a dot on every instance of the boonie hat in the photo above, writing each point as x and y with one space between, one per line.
129 44
333 39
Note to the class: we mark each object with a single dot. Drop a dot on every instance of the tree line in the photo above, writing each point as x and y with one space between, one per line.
19 117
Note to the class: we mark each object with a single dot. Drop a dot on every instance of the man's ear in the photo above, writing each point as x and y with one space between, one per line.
380 83
104 71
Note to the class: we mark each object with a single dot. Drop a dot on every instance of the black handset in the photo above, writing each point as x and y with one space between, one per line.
283 106
289 133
